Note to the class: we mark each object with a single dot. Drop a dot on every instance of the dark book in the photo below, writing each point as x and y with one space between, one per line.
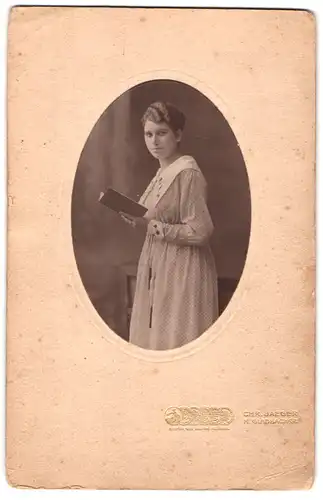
121 203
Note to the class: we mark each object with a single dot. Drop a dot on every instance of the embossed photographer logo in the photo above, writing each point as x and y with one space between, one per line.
198 418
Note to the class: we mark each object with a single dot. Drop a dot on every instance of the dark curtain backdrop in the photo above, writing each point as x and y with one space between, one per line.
107 249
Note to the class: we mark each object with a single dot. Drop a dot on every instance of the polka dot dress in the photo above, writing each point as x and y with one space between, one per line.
176 296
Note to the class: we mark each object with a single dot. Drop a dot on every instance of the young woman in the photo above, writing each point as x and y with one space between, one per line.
176 295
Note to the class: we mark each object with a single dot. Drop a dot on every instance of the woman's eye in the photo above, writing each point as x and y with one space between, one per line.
148 134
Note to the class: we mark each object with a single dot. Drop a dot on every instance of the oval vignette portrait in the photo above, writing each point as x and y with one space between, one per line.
161 214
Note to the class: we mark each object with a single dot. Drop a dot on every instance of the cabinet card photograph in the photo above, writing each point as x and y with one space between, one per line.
161 248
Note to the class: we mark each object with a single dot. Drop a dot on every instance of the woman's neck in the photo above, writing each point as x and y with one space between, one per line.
165 162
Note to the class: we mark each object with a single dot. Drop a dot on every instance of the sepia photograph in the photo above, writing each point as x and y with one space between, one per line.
160 330
161 214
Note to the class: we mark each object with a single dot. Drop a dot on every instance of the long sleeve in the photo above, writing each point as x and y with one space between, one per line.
195 227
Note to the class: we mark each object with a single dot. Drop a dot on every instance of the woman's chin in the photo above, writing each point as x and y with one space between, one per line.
156 154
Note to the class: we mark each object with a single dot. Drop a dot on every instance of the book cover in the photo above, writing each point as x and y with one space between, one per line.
120 203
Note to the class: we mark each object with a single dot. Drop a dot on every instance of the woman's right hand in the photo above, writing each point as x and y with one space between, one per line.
140 222
127 219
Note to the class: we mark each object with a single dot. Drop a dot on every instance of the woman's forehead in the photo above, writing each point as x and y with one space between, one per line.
154 127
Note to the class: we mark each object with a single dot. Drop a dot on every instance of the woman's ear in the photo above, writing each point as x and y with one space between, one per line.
178 135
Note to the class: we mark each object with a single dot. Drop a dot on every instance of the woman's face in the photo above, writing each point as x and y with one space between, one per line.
160 139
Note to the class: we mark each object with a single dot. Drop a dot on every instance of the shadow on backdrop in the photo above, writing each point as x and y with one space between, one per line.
106 248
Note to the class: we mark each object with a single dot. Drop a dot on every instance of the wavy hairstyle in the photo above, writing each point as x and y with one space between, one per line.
165 112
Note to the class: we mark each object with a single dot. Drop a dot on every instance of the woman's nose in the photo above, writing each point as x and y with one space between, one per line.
155 139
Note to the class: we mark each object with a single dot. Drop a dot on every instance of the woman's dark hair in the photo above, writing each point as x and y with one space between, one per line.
159 112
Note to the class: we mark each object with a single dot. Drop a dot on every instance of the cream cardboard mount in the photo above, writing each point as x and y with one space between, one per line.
235 408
